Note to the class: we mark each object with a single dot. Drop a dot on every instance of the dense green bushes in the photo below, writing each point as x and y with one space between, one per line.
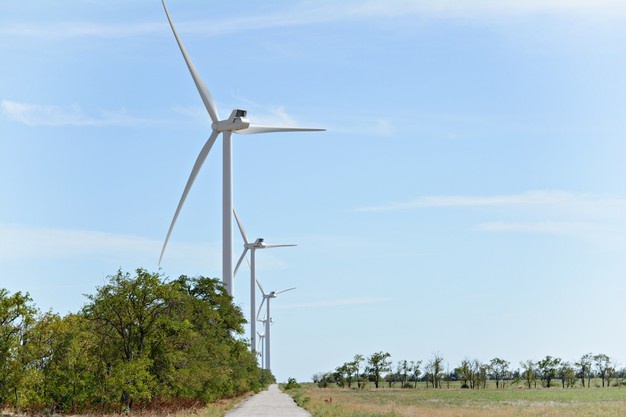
138 341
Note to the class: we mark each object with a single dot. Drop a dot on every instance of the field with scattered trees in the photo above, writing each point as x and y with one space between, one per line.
139 342
590 370
373 386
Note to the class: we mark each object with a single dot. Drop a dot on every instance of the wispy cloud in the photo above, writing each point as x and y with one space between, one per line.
338 303
541 198
594 217
50 115
68 30
307 13
24 243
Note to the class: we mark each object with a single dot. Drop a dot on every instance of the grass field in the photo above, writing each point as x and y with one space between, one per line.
553 402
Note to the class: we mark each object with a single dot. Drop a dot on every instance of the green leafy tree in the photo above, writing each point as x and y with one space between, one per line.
129 315
434 370
378 363
415 371
499 370
548 369
567 373
604 367
584 366
529 372
17 315
356 362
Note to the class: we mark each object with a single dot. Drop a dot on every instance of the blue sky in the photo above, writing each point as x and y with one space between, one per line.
468 198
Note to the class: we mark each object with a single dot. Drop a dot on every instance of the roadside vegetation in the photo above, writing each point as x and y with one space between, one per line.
140 342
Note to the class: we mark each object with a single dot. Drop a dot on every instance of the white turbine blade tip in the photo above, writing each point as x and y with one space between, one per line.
241 229
254 129
204 92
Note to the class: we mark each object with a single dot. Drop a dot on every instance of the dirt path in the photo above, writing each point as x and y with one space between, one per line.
268 403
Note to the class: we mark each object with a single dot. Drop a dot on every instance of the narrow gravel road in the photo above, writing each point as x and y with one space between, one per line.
268 403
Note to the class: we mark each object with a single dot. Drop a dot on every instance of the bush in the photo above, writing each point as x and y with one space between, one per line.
292 383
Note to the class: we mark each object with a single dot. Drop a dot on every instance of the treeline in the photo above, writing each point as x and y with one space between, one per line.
472 373
139 341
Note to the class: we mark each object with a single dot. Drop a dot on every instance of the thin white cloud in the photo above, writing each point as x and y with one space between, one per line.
539 199
307 13
548 227
23 243
596 217
68 30
338 303
49 115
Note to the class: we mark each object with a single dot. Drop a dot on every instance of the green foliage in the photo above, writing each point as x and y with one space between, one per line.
139 340
291 384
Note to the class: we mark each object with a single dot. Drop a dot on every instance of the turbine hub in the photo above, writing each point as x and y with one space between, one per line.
236 121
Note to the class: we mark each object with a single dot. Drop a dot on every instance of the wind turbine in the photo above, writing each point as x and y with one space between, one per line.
237 122
261 338
252 247
266 299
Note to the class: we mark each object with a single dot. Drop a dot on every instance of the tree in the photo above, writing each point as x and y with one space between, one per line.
529 373
464 373
17 315
415 371
499 370
584 365
356 362
567 373
128 314
549 369
434 370
604 367
378 363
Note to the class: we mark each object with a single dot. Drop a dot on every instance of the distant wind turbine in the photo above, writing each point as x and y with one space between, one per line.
262 353
237 122
268 319
252 247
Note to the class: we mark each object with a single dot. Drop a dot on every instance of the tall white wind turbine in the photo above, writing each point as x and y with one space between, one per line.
252 247
268 319
237 122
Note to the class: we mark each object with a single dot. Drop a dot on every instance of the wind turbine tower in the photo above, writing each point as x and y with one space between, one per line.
268 320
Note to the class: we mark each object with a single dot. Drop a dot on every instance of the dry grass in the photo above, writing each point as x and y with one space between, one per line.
462 403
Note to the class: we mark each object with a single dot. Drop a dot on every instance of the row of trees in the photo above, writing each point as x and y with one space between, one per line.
474 374
138 341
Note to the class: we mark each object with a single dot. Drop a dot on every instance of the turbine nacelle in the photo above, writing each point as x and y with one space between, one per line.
236 121
257 244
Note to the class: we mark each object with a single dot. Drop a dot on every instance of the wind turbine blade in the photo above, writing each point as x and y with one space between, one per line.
258 314
194 173
241 229
253 129
207 98
276 246
243 255
281 291
261 288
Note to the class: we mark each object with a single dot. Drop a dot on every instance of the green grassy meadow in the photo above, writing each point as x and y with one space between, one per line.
455 402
